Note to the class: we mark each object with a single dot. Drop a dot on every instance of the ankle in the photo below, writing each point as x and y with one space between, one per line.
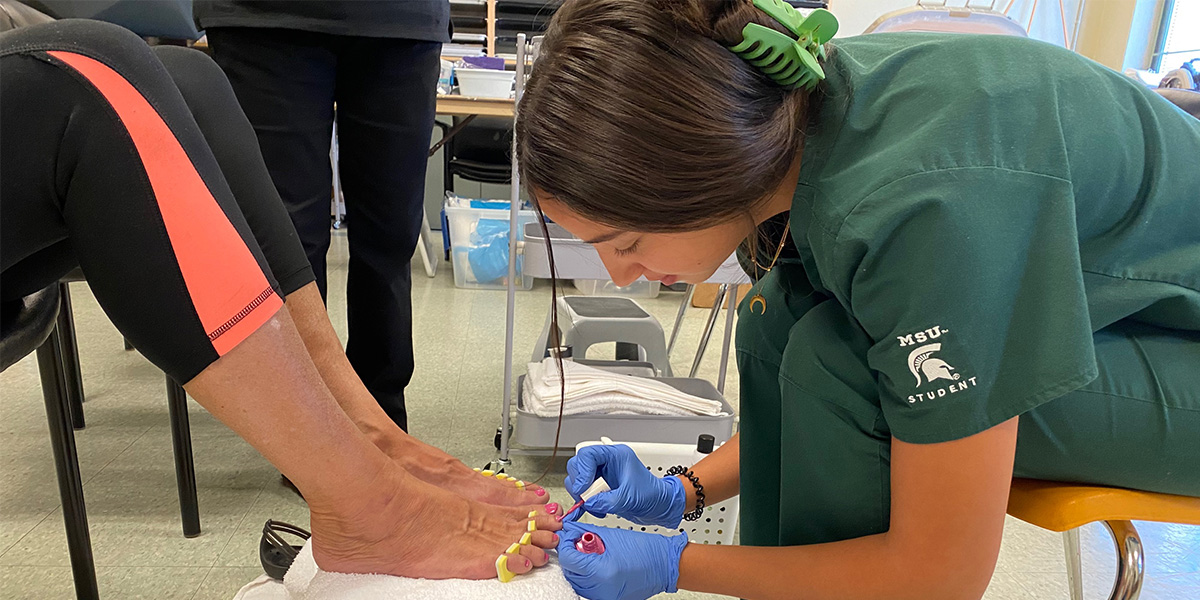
371 478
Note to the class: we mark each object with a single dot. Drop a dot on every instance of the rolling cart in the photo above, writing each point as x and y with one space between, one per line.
574 259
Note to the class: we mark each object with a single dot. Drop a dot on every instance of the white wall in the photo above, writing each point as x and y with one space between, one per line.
1143 33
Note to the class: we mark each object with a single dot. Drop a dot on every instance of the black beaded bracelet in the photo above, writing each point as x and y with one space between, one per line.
693 515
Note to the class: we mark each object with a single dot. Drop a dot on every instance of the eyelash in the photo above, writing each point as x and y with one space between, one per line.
625 251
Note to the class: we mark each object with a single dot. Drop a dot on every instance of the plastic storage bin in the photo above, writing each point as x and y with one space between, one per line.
538 432
479 247
719 521
637 289
485 83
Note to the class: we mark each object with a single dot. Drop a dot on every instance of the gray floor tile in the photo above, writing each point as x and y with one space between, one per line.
13 528
151 583
1045 586
1026 548
223 582
132 540
127 583
275 501
686 595
1006 586
36 583
1175 587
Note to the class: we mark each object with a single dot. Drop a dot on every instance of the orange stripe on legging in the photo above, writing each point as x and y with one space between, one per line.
228 289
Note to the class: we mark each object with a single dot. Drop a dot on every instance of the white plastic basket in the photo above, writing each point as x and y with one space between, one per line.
719 522
485 83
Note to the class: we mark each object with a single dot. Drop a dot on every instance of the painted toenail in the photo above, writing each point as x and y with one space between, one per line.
552 508
540 492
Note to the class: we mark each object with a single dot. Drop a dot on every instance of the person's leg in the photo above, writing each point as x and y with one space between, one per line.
386 93
426 462
814 450
228 133
1136 426
212 103
284 81
98 138
835 447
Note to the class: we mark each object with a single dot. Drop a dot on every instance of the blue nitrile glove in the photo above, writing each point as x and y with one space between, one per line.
489 260
635 565
636 494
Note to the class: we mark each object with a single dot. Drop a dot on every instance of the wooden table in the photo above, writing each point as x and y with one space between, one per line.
465 105
469 108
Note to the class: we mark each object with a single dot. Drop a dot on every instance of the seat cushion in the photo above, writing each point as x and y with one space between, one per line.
26 323
1064 506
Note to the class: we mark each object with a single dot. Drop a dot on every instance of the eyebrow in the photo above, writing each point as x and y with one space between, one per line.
604 238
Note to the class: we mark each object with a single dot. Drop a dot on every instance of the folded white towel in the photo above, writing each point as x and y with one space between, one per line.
305 581
592 390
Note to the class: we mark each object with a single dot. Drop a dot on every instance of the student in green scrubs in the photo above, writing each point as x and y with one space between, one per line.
991 269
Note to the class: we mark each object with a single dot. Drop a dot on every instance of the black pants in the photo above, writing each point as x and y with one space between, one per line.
385 90
139 167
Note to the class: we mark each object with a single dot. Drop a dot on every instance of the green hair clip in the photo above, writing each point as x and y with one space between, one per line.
792 63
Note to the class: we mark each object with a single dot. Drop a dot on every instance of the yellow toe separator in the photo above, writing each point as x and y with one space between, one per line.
526 539
502 572
532 526
486 473
520 484
513 549
532 514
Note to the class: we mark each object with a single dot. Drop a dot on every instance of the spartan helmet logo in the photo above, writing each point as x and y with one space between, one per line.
921 361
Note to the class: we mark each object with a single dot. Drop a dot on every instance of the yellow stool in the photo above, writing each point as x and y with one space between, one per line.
1064 507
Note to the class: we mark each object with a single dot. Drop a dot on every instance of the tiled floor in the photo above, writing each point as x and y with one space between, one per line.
454 400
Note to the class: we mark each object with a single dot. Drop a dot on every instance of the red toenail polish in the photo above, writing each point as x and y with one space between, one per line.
552 508
540 492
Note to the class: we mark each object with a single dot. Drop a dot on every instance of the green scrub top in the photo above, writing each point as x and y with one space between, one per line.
978 207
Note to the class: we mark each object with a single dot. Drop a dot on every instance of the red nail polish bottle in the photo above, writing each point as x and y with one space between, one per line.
590 543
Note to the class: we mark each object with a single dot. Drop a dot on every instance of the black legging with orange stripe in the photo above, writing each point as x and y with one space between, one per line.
138 166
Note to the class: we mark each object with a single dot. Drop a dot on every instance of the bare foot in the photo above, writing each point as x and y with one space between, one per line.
432 465
413 529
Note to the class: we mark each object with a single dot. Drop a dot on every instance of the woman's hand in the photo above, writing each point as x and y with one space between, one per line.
634 565
636 494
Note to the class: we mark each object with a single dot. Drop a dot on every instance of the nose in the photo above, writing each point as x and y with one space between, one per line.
622 271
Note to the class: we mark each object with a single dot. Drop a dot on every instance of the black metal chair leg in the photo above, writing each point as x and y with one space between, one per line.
128 346
73 378
185 468
66 460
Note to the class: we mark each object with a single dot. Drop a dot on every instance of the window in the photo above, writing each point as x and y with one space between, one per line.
1179 38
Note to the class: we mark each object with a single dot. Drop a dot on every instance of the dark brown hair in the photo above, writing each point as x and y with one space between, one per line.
637 116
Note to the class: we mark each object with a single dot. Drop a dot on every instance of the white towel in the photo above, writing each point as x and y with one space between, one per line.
305 581
592 390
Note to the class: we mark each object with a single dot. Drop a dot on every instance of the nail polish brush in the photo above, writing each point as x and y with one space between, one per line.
597 487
